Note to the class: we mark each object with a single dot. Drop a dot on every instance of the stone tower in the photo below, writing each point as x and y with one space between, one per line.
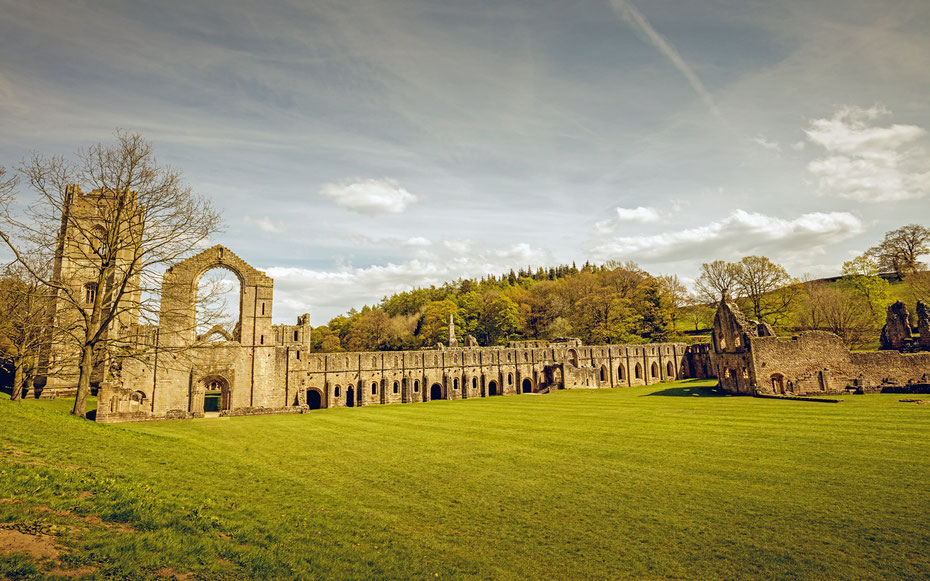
91 223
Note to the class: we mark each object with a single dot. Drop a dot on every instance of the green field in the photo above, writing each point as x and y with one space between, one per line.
666 481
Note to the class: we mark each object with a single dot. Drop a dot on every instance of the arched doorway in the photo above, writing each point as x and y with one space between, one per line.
212 396
603 373
655 369
435 391
778 383
527 385
350 397
670 370
573 357
492 388
314 399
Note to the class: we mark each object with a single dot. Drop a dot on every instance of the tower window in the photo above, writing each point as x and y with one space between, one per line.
90 292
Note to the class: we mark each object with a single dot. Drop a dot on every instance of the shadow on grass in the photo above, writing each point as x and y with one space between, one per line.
690 391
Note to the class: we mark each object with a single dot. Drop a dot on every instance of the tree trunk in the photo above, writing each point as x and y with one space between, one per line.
17 382
83 390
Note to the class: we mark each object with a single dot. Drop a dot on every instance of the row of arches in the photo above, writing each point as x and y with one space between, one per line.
654 372
349 395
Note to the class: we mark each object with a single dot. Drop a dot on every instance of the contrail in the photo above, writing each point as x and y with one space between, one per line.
628 12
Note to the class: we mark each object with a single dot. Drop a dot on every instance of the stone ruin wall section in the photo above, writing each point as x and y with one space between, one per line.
817 362
270 369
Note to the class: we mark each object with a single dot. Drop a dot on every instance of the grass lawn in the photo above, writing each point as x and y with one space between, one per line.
665 481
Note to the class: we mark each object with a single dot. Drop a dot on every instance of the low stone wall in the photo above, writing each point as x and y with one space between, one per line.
262 411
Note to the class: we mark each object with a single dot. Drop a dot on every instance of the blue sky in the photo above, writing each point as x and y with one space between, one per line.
360 147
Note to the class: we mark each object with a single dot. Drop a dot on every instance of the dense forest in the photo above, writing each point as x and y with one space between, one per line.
621 303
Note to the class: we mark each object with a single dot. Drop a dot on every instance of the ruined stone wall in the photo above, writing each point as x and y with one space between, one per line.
818 362
269 368
171 387
748 360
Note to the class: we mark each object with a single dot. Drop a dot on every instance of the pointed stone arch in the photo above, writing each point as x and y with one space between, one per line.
179 296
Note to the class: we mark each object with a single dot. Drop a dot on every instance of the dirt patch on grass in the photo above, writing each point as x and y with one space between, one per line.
169 573
91 519
38 546
43 549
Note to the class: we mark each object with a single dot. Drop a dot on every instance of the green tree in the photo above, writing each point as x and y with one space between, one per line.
433 326
500 318
861 275
24 324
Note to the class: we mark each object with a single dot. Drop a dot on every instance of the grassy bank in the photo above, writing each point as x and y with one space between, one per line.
662 481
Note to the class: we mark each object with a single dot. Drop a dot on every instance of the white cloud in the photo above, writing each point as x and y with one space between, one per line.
265 224
327 293
865 162
369 196
638 214
416 241
459 246
739 233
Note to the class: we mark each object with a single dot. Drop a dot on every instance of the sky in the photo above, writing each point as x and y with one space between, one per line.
358 148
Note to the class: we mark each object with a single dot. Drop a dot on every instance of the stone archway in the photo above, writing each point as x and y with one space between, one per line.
350 397
670 371
179 297
314 398
492 388
778 383
573 357
527 385
211 394
435 392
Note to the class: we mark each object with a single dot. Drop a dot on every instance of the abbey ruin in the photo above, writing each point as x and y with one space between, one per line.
270 369
168 371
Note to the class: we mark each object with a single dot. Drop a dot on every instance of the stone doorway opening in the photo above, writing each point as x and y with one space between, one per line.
492 388
350 397
314 399
435 392
214 396
527 385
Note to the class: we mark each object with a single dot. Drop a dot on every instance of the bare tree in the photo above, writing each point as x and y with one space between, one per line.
127 220
764 285
900 250
698 312
837 309
716 279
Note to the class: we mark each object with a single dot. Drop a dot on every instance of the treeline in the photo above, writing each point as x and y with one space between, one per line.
853 306
610 303
621 303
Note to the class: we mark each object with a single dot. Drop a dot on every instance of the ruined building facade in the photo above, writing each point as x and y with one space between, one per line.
748 358
269 368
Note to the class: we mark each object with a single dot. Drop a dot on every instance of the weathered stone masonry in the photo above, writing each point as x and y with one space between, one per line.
749 359
265 368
